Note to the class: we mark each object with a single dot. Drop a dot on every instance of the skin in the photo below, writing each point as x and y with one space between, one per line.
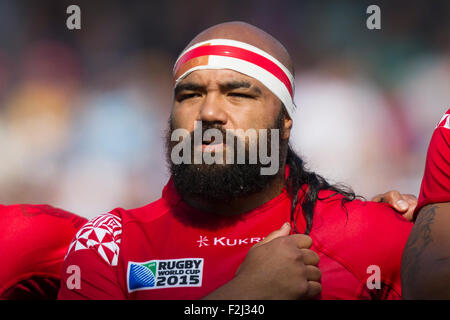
234 101
426 257
402 203
282 266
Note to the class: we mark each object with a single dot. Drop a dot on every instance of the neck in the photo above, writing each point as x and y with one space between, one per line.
240 204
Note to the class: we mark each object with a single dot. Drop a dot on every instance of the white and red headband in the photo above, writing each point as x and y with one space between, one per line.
240 57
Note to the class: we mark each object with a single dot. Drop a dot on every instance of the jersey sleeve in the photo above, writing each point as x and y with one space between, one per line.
33 242
33 287
435 185
89 270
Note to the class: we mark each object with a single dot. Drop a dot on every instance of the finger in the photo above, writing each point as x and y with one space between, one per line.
302 241
398 201
409 215
314 288
313 273
377 198
388 197
412 204
401 205
412 201
310 257
395 200
283 231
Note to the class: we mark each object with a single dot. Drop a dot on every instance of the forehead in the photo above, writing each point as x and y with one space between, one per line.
218 76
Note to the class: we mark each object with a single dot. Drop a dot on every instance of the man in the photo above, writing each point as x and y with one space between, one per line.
33 242
425 262
211 234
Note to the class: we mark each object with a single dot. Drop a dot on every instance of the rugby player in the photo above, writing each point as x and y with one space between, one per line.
211 234
426 258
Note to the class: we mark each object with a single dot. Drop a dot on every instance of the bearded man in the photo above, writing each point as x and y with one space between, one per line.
211 234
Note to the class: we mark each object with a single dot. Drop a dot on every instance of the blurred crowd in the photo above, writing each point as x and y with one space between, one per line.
83 113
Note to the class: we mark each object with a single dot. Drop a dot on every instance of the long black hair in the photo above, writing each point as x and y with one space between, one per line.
299 176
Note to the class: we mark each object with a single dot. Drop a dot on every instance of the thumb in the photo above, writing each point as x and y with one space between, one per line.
283 231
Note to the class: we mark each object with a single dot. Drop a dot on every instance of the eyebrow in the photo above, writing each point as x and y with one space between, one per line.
188 86
232 85
227 86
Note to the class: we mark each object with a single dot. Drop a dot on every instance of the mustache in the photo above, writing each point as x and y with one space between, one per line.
204 127
224 133
208 126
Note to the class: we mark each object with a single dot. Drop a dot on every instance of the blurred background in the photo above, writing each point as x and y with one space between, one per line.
83 112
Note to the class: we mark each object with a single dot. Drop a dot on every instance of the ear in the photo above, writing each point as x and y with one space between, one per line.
287 127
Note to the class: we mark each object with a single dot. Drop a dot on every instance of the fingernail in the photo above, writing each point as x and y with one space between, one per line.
286 225
402 204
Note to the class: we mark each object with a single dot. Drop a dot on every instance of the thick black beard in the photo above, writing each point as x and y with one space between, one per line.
221 182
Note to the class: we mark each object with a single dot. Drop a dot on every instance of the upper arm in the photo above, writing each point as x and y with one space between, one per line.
90 268
91 279
426 257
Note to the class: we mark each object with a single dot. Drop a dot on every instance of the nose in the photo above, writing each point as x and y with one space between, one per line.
213 110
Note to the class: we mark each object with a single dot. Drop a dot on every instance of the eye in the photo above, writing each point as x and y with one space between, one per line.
240 95
185 96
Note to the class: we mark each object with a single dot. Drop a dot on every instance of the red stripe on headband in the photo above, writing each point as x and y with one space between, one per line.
238 53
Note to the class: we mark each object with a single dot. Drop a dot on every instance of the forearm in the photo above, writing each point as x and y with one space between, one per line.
426 257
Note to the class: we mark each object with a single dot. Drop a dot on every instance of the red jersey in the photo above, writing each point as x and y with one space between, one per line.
435 185
169 250
33 242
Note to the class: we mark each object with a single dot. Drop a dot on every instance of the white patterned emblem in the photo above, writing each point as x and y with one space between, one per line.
102 233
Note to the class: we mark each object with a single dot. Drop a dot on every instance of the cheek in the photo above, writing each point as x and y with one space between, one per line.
259 117
252 121
183 118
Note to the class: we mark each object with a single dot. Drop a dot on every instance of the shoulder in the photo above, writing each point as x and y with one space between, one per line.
358 216
360 234
42 222
147 213
360 224
34 240
103 233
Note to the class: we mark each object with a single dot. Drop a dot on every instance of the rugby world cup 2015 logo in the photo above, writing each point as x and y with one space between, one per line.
141 275
158 274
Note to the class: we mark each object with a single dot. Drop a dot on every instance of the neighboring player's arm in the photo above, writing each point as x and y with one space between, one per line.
426 257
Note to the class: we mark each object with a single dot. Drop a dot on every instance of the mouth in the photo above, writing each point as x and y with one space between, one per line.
212 145
218 147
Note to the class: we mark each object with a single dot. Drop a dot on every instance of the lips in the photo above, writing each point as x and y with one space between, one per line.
212 145
216 147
